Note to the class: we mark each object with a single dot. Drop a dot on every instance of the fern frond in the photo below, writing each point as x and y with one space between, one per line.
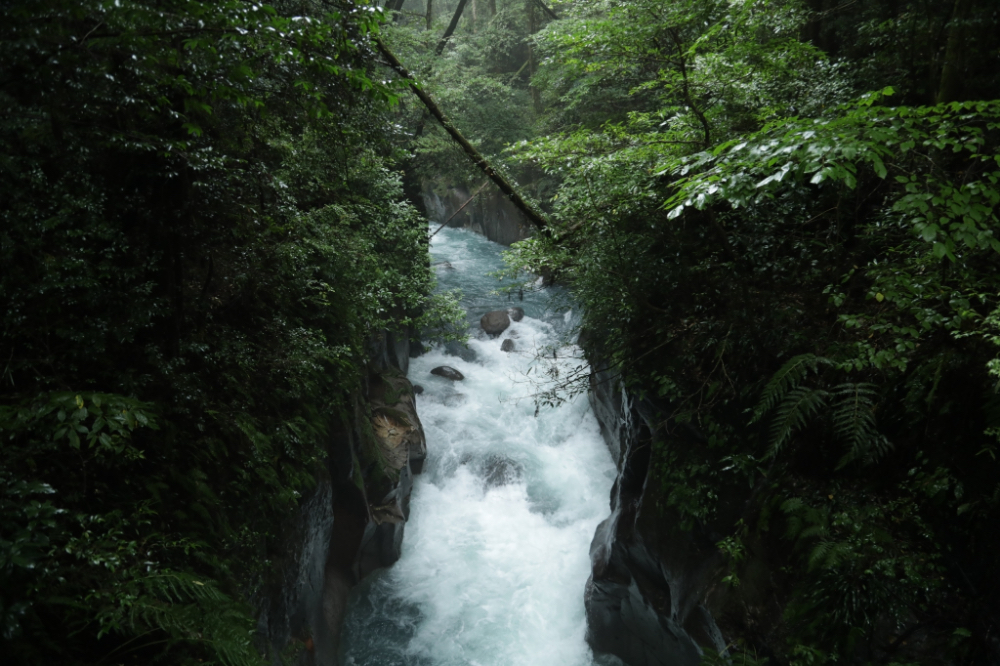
792 504
191 609
854 423
784 380
829 554
794 412
813 531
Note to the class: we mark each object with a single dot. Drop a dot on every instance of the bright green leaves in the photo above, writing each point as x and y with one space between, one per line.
952 216
878 138
936 186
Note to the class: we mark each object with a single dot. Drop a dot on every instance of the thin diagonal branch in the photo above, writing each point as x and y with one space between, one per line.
484 165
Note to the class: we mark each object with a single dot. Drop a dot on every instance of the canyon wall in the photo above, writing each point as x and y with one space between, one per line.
490 214
352 522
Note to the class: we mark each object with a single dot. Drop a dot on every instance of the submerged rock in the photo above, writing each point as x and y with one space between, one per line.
516 314
500 470
448 372
454 348
417 389
495 323
507 346
454 399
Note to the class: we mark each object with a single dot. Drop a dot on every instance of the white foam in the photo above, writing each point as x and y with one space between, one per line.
495 574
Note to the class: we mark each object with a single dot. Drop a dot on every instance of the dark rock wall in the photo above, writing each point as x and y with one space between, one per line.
352 522
491 214
645 597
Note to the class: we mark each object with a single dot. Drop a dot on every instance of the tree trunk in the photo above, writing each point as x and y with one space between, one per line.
451 27
430 13
535 217
536 95
950 87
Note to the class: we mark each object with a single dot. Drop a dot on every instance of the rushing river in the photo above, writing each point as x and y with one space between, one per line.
495 556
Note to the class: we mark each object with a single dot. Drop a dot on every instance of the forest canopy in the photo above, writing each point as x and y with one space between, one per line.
779 218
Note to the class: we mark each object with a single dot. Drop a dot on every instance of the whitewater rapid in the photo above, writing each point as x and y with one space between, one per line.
495 555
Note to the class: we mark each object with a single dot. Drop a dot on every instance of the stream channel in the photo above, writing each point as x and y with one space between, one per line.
495 556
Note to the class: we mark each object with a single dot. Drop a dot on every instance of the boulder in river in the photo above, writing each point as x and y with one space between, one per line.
448 372
516 314
507 346
417 389
495 323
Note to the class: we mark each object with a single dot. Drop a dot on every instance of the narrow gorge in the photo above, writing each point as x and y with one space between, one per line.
495 557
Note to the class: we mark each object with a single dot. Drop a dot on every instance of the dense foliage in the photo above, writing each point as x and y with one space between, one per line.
779 216
482 81
201 232
781 220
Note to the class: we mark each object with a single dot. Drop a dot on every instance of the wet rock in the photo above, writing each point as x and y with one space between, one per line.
645 599
446 265
507 346
500 470
448 372
417 389
352 521
494 216
495 323
516 314
454 348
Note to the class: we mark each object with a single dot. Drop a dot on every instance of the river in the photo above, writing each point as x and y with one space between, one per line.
495 556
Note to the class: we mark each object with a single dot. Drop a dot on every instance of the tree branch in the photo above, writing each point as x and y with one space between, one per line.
451 27
682 65
548 11
460 209
535 217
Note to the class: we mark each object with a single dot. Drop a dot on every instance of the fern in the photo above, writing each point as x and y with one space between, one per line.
785 379
798 406
829 555
854 423
189 610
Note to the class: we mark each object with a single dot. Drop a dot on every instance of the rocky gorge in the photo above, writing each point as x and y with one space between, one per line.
353 521
644 594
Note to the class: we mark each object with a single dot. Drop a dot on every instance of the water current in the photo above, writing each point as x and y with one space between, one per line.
495 555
